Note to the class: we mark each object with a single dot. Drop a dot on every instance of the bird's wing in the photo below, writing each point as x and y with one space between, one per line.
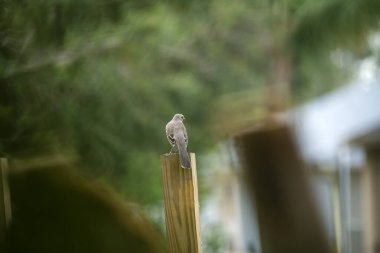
170 134
185 134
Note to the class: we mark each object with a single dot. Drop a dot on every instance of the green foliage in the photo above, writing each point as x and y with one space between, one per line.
335 23
100 79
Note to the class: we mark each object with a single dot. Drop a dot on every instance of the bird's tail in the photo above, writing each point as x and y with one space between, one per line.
184 157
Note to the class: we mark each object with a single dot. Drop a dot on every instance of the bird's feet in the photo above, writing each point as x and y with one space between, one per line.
173 150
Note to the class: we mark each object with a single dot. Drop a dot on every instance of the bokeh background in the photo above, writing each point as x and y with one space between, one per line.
96 82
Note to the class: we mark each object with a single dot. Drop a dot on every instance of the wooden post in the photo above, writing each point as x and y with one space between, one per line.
181 205
287 215
5 203
371 202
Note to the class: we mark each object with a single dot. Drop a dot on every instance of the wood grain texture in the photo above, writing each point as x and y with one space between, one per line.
181 205
5 203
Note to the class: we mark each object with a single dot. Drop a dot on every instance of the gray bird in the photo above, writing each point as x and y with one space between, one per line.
177 136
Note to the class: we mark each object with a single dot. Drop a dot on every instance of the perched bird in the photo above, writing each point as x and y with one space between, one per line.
177 136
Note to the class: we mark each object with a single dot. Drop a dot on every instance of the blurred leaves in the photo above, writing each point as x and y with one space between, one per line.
100 79
336 22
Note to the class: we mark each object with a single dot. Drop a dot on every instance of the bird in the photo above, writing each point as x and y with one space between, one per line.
177 136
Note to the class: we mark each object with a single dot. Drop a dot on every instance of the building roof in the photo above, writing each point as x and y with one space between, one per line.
351 113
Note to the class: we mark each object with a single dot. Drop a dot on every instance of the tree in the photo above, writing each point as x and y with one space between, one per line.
100 79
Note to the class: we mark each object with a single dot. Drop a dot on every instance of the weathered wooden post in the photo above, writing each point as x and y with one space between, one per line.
5 203
181 205
288 217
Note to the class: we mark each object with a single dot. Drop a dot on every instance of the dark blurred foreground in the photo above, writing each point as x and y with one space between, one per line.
56 210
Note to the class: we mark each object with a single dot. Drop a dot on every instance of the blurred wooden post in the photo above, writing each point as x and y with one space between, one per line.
5 203
288 218
181 205
371 202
